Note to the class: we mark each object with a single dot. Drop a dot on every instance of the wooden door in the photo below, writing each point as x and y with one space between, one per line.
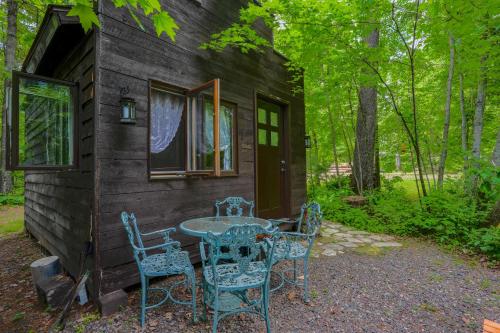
272 163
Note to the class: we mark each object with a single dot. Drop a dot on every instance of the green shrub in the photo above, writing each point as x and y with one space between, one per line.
450 216
487 241
12 200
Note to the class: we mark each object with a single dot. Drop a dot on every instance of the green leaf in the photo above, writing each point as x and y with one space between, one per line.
120 3
86 14
136 19
150 6
163 22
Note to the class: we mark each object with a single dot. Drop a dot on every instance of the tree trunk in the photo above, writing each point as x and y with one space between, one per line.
464 122
10 59
446 126
376 175
478 116
333 134
364 152
495 158
478 122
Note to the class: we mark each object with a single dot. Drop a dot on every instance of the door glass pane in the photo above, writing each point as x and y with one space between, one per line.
45 123
274 139
226 139
274 119
262 116
201 131
262 136
167 131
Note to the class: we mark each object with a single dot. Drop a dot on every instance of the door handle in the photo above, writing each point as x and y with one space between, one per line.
282 165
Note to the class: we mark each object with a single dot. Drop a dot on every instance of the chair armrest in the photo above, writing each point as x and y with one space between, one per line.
162 231
295 234
276 223
154 247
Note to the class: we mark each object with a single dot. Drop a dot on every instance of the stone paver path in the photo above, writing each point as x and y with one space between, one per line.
337 238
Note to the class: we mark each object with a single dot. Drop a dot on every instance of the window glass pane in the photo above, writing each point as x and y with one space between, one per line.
45 123
262 116
167 130
274 139
201 131
262 136
274 119
226 137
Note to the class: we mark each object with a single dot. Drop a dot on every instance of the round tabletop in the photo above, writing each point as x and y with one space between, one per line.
199 227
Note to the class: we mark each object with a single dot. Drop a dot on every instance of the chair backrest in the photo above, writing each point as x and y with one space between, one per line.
311 218
241 244
233 206
134 236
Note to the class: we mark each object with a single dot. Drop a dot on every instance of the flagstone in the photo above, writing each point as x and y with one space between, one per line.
334 246
348 244
382 237
354 240
329 253
359 232
386 244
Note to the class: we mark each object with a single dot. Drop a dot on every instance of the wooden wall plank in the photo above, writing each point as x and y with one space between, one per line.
130 58
58 204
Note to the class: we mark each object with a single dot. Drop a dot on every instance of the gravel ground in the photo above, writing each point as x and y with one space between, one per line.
413 288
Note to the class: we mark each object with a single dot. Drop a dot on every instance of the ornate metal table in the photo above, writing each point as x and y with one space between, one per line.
199 227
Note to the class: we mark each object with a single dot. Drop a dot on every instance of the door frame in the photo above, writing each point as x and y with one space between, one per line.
286 108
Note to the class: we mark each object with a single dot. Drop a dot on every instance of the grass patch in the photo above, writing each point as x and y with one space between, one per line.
12 227
410 188
428 307
436 278
370 250
11 219
485 284
12 200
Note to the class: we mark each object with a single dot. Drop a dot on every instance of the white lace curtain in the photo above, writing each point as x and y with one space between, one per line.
225 134
166 115
226 129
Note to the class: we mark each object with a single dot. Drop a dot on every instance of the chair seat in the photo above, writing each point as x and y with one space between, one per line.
230 278
160 264
289 250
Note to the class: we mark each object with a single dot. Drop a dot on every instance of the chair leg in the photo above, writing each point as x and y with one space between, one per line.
144 293
306 284
193 294
295 270
265 300
216 311
204 299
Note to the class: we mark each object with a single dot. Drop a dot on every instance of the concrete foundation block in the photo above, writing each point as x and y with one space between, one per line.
54 290
112 302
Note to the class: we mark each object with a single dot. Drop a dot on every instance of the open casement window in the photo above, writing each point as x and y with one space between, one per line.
192 132
42 124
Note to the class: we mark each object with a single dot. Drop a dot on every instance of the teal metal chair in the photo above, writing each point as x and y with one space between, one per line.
297 245
225 284
170 261
234 206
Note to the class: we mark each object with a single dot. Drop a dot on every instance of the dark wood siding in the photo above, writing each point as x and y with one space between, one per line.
58 203
128 58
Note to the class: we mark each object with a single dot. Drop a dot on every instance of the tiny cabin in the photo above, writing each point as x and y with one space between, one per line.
119 119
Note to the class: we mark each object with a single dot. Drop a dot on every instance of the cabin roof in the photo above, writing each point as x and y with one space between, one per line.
58 34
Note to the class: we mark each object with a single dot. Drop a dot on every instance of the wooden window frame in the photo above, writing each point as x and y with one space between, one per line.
217 172
235 171
12 162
